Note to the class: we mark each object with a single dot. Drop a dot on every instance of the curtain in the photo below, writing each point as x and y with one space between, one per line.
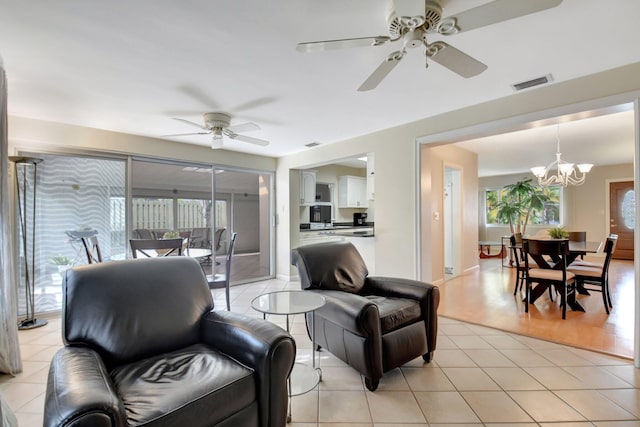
10 361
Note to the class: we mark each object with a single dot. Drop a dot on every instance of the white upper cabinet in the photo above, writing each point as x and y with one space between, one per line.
352 192
370 177
307 187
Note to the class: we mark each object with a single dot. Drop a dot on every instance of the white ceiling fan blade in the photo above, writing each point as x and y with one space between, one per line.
191 123
248 139
382 71
188 134
243 127
341 44
492 13
455 60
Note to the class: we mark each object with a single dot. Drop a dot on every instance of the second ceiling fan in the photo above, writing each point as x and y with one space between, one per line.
413 20
219 125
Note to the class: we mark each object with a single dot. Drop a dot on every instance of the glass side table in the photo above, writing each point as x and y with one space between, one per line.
303 377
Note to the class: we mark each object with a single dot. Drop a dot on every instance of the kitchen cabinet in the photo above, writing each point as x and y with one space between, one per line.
352 192
307 187
370 176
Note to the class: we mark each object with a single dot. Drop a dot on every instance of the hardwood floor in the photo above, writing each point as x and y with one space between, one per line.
485 297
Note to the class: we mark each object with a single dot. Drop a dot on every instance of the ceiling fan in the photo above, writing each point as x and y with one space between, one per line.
413 20
218 125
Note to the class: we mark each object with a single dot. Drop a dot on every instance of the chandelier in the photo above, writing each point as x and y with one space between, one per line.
561 172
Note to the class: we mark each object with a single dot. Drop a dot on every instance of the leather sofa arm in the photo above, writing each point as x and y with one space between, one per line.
80 391
260 345
426 293
351 312
398 288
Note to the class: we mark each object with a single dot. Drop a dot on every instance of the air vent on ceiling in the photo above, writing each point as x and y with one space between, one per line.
533 82
312 144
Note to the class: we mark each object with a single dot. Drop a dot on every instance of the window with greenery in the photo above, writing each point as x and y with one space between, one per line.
534 205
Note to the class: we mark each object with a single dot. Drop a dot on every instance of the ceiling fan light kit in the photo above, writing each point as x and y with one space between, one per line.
413 20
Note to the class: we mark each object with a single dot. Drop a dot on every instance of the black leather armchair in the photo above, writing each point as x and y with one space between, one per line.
144 348
374 324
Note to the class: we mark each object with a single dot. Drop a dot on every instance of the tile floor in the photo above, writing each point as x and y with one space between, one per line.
480 376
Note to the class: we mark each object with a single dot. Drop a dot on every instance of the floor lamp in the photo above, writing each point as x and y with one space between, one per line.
22 164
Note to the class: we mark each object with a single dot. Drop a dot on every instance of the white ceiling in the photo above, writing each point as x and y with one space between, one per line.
132 66
596 137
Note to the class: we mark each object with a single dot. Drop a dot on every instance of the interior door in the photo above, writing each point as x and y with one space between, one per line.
452 208
622 205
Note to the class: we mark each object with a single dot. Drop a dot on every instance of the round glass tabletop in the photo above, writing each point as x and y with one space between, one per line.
288 302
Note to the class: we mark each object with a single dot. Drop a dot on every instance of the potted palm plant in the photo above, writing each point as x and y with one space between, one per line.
521 198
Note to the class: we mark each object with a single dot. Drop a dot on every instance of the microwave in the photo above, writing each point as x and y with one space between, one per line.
320 213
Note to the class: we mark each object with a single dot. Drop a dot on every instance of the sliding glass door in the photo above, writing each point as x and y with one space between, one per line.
169 196
81 195
243 205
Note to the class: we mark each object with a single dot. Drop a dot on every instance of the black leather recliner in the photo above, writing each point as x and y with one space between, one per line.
144 348
374 324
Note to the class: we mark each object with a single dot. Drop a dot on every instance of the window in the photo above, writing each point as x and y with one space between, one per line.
75 193
550 214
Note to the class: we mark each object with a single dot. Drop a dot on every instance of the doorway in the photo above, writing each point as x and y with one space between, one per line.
622 210
452 213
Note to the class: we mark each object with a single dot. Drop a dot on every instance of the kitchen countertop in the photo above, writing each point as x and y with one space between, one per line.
344 230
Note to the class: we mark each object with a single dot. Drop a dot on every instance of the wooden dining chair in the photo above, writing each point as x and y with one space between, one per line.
578 236
597 278
160 247
558 276
143 233
222 280
518 262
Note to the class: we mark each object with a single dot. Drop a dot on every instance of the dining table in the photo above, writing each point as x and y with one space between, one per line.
576 249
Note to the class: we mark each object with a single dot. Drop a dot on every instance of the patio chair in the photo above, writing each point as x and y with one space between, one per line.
222 280
160 247
92 249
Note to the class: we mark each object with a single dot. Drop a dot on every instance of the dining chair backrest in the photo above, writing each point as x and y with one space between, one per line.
539 248
596 278
223 280
609 249
217 238
143 233
518 259
92 249
200 237
543 272
161 247
578 236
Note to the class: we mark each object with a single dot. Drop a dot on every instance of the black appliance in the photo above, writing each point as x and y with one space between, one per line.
320 213
359 219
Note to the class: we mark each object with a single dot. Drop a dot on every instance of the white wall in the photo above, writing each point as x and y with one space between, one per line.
396 215
41 135
433 164
395 154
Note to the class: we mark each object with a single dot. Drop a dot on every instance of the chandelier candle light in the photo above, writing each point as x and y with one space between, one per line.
565 173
